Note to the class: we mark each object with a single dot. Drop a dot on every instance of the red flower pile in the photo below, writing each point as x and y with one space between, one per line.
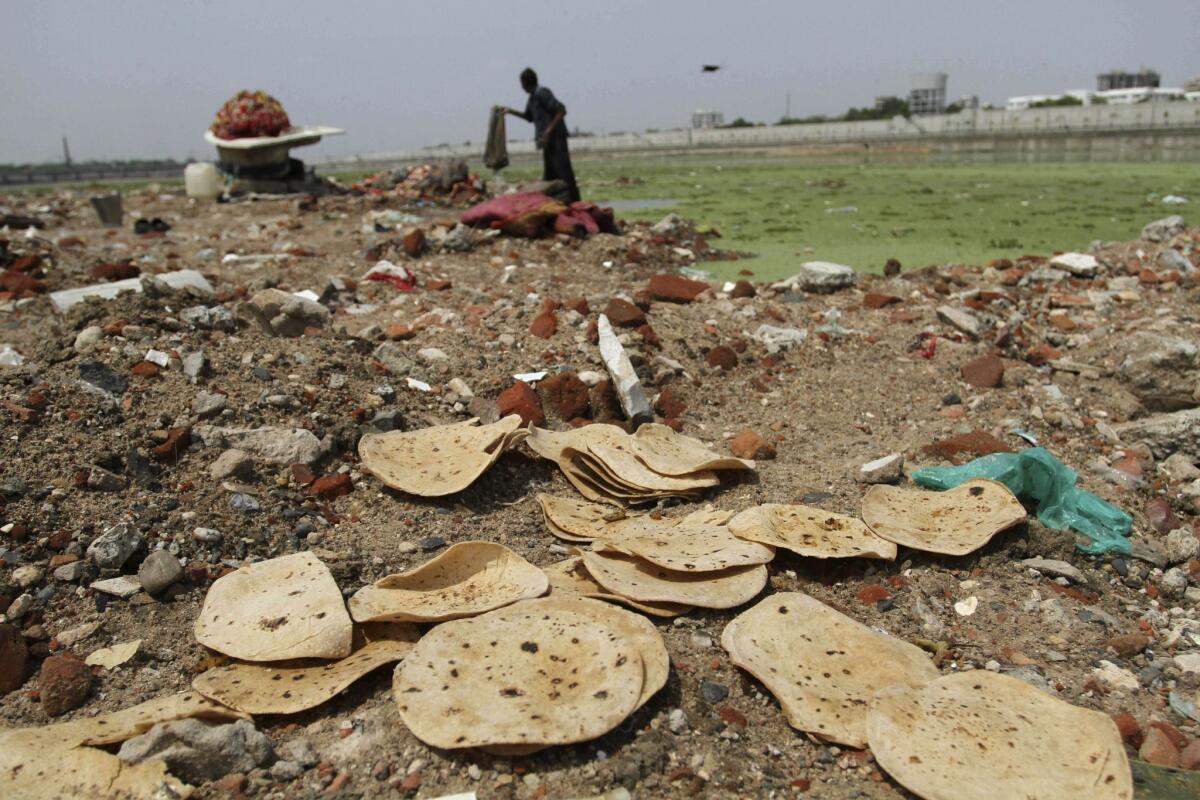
250 114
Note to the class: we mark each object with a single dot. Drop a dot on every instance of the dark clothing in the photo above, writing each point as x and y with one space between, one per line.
541 109
556 164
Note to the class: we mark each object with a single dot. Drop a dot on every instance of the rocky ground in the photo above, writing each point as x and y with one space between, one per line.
122 414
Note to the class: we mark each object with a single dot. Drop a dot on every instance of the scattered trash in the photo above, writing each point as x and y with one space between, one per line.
822 666
399 276
956 522
818 276
281 608
1037 477
776 339
625 380
468 579
1174 199
441 460
180 279
9 357
973 736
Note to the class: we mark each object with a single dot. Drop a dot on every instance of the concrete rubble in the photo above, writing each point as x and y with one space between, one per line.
173 431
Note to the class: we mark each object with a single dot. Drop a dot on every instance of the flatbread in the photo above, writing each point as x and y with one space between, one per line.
292 687
282 608
626 466
117 726
821 665
640 580
114 656
575 520
469 578
437 461
518 677
980 735
954 522
34 765
570 577
811 532
669 453
682 546
551 444
656 662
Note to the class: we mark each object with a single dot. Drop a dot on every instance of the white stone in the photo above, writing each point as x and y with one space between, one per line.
1116 677
1050 566
121 586
887 469
87 339
1079 264
960 318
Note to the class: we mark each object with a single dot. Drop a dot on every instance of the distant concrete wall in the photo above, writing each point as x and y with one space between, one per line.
1156 130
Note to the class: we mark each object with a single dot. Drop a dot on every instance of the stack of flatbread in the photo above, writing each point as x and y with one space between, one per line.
608 465
284 624
659 565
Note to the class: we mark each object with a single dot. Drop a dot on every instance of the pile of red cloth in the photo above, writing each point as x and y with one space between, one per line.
533 215
248 114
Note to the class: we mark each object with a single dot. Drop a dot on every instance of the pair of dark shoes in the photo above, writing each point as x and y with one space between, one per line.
155 225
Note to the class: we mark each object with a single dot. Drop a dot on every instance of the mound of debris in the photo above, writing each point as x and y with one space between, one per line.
614 528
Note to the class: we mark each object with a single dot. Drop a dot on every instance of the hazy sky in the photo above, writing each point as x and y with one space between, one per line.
142 78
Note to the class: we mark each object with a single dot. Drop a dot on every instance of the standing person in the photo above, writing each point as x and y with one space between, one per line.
547 113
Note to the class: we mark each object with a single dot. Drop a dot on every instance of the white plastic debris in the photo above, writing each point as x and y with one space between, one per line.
252 261
308 294
420 386
530 377
625 381
157 357
9 357
180 279
776 339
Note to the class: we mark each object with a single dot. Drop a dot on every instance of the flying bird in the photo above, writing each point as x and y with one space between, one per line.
709 67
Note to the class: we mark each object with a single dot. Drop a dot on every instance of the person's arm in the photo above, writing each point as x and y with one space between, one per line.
552 103
522 114
554 123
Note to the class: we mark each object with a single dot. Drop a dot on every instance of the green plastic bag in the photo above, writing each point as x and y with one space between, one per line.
1036 477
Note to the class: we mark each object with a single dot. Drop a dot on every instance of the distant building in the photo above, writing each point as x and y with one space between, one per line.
968 101
928 93
1140 95
1118 79
707 119
885 100
1192 84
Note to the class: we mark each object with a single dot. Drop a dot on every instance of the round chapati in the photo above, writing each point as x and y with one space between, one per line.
656 662
954 522
518 677
291 687
575 520
669 453
979 735
282 608
440 460
466 579
810 532
637 579
682 546
570 577
821 665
